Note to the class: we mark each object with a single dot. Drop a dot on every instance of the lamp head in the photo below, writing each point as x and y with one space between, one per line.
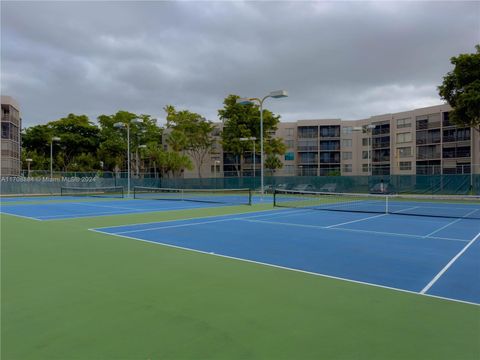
278 94
244 101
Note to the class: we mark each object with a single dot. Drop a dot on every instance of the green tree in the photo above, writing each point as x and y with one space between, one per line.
78 136
113 141
190 132
461 89
241 121
273 163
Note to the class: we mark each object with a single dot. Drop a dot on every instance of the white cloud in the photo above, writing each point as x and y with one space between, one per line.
337 59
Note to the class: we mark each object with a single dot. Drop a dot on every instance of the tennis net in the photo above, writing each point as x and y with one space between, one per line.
111 191
448 206
221 196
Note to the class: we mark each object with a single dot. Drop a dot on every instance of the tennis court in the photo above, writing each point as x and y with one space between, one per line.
399 252
231 278
88 202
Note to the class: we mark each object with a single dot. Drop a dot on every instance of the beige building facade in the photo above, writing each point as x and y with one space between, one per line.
420 141
10 140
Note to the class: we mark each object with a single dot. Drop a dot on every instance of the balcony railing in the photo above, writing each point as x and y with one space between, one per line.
428 125
307 148
435 155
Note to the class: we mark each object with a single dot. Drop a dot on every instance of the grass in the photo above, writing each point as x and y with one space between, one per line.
69 293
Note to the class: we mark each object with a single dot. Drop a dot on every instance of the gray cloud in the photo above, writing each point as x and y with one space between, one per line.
337 59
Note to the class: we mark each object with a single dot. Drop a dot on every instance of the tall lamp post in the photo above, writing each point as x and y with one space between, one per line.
137 160
252 139
367 129
29 161
121 125
54 138
244 101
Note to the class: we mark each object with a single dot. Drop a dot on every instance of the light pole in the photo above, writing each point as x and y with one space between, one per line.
121 125
369 129
54 138
137 160
244 101
252 139
215 163
28 166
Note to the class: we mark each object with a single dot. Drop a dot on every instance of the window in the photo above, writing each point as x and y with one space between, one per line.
365 167
365 142
214 169
404 137
289 131
347 130
5 130
289 169
346 143
346 155
365 154
289 156
347 168
308 132
289 144
405 165
404 123
404 152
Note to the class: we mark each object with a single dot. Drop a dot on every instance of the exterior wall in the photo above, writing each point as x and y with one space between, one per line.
418 141
10 139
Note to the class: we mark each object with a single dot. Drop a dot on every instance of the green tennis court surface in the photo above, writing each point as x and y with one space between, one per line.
70 293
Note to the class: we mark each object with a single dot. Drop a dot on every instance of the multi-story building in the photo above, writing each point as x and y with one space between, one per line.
420 141
11 141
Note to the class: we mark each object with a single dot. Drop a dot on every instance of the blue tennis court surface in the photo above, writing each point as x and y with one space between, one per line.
102 207
426 255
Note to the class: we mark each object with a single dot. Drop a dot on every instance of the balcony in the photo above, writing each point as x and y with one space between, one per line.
428 156
307 148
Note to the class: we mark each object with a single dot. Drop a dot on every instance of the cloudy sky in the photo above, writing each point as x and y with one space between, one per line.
346 60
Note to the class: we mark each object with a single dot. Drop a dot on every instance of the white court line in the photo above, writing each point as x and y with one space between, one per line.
194 218
21 216
399 211
350 230
107 206
354 221
450 263
87 215
450 223
287 268
174 226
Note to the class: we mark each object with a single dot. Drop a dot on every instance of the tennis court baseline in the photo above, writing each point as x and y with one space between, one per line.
431 256
96 203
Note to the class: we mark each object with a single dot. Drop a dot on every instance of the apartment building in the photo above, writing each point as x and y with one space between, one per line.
10 140
420 141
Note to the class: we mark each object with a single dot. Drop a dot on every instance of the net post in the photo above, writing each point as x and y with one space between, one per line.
386 204
249 196
274 197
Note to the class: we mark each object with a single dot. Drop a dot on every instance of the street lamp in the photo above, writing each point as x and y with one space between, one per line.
28 166
244 101
368 130
121 125
54 138
137 160
252 139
